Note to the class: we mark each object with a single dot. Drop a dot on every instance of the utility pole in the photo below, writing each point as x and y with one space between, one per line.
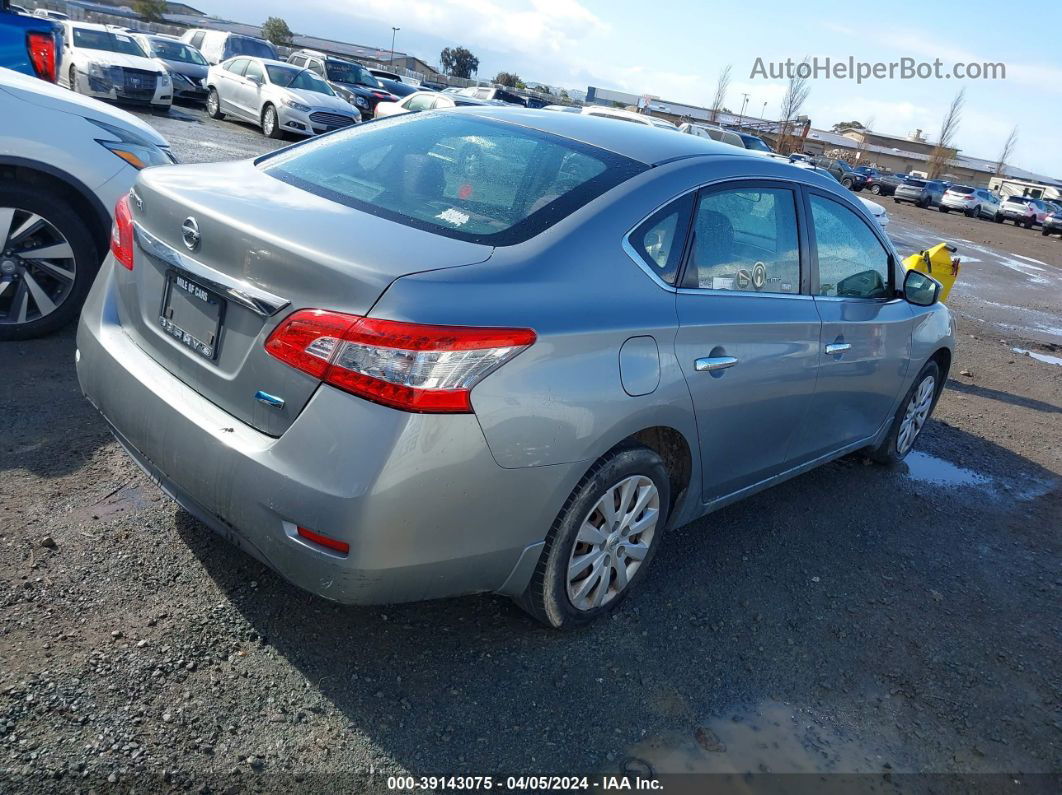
764 111
744 102
394 32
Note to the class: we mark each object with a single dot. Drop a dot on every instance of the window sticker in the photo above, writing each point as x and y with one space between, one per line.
454 216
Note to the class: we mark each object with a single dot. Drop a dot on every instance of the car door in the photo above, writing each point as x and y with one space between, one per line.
748 332
865 341
230 80
250 90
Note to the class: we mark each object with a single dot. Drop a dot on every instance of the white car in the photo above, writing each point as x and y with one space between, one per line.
423 100
278 96
627 115
65 160
713 132
109 64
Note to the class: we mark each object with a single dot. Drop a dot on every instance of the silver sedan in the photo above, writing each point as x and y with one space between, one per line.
498 350
278 96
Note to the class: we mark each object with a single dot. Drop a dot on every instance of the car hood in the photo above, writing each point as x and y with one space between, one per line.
49 95
120 59
357 88
315 99
195 70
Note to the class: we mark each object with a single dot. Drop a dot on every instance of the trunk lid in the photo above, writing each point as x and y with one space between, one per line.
265 249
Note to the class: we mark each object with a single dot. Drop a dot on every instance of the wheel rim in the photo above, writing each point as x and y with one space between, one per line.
212 102
37 266
270 121
613 542
916 414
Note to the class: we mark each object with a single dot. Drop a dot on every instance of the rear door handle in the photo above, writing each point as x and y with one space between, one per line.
837 347
710 363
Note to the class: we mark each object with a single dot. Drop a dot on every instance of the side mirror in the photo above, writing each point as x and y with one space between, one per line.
255 79
919 289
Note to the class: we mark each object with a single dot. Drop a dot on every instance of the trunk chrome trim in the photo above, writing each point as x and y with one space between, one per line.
261 302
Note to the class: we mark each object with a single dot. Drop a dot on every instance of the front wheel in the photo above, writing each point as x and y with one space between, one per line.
1044 232
73 78
847 183
603 540
973 212
270 123
998 219
875 189
910 418
213 105
1029 224
943 209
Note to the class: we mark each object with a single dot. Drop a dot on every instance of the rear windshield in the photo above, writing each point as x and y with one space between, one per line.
960 189
916 183
473 179
1019 199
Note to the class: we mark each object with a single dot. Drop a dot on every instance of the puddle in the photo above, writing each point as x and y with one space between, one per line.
930 469
771 738
1040 357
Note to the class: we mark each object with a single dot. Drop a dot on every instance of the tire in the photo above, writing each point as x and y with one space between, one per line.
896 200
998 218
875 189
1029 224
549 597
73 78
973 212
943 209
1044 232
893 448
24 303
270 123
213 105
846 183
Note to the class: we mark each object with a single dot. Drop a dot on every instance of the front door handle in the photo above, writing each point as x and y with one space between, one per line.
837 347
711 363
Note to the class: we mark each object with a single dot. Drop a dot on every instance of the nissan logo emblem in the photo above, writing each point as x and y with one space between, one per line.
190 233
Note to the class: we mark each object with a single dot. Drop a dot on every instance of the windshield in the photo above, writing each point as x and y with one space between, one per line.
346 72
89 39
176 51
752 142
472 179
245 45
304 79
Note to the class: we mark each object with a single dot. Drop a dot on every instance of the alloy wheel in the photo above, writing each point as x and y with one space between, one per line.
916 414
37 266
269 122
612 542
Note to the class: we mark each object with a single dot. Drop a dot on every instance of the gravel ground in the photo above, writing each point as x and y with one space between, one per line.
855 619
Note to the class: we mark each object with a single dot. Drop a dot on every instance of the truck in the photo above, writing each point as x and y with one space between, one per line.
30 45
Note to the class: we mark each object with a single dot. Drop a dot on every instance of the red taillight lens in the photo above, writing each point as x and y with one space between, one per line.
122 233
342 547
408 366
41 47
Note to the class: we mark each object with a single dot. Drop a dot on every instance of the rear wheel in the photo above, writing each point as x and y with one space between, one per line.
998 219
603 540
973 212
1044 232
270 123
73 78
213 105
910 418
846 182
875 189
1029 223
47 262
943 209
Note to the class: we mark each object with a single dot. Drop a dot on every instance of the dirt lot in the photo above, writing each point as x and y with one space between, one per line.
855 619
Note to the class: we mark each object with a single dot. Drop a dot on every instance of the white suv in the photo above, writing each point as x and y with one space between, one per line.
109 64
65 160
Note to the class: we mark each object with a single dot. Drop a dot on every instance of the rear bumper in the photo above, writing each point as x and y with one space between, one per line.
420 500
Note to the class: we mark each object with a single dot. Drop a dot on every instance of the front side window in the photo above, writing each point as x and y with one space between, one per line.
659 241
480 180
852 261
745 239
254 69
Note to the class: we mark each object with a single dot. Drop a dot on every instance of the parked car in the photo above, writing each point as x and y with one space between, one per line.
425 100
350 80
842 172
880 183
386 74
278 96
398 89
1052 223
393 332
220 45
47 13
754 143
876 210
627 115
975 202
1022 210
29 44
492 94
65 160
921 192
101 63
713 132
17 9
186 65
563 108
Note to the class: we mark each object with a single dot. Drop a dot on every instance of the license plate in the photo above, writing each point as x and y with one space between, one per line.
192 315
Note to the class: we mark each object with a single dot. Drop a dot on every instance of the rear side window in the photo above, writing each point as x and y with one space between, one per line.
237 66
745 239
197 39
852 261
479 180
660 240
420 102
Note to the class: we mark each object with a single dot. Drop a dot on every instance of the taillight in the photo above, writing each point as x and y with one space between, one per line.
408 366
41 47
122 233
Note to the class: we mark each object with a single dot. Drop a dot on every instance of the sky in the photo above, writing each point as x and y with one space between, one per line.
675 49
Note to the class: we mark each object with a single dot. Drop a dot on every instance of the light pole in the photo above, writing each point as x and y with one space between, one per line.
394 32
763 112
744 102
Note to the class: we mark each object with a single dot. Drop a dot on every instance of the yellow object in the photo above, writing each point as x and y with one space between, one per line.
937 262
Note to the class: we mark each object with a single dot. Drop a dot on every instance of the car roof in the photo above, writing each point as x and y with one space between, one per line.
642 142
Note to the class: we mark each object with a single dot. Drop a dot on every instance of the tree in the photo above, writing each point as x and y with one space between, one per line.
720 90
864 141
150 10
1007 151
459 62
796 92
848 125
943 151
276 30
509 79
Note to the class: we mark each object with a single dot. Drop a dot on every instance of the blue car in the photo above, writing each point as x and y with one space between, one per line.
29 45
